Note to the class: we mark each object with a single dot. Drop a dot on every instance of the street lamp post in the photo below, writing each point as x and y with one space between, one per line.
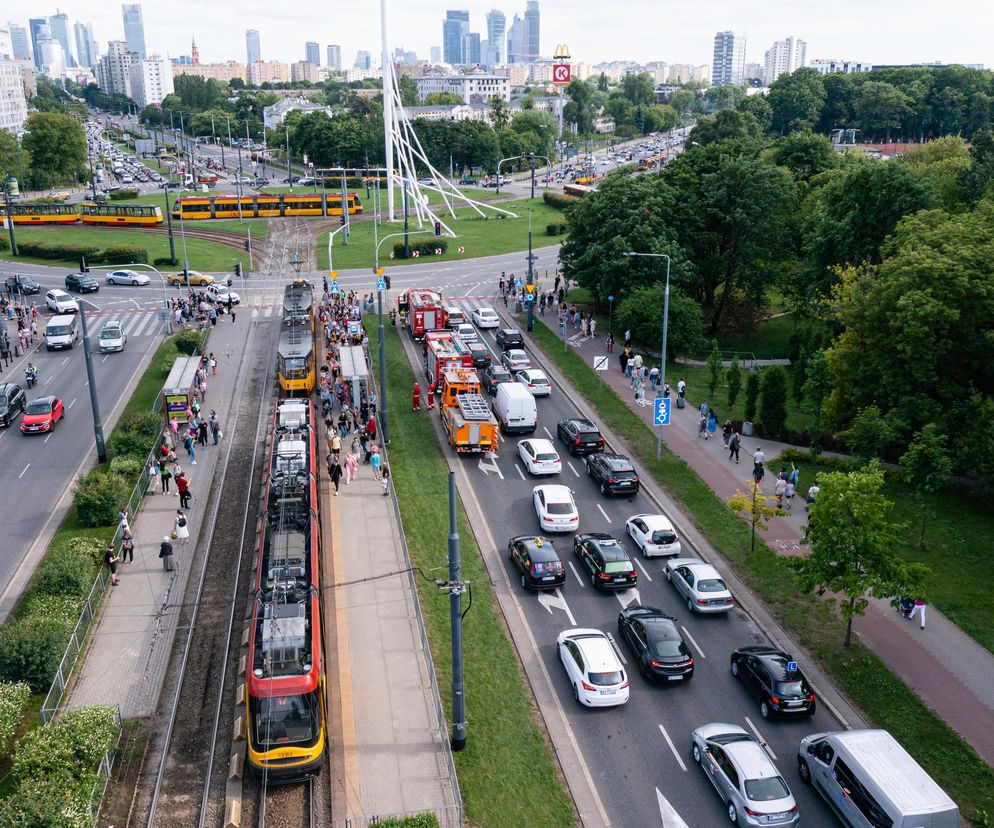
666 316
98 428
503 160
169 224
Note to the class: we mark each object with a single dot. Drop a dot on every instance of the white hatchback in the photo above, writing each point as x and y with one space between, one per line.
467 333
539 456
593 668
653 535
535 381
485 317
59 301
556 508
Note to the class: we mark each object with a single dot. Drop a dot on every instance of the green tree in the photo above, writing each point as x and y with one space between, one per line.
943 163
443 99
659 118
500 115
773 400
759 107
927 467
641 312
56 145
682 100
714 369
728 96
408 91
726 124
537 130
797 100
880 108
13 158
602 84
837 111
852 545
760 508
817 385
733 378
805 154
868 434
639 89
577 110
752 396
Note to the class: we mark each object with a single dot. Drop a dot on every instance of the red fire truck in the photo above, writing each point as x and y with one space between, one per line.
443 350
423 311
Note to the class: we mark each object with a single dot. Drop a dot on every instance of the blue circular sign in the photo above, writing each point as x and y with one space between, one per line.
610 298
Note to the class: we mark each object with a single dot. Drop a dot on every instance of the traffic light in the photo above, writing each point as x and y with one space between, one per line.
248 246
238 269
438 228
84 267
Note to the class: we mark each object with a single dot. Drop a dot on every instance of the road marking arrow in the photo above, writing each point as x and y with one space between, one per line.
550 600
486 468
667 813
628 596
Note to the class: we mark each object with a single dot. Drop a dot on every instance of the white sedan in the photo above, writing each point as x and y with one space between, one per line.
127 277
539 456
467 333
593 668
556 509
222 293
485 317
653 535
535 381
700 584
59 301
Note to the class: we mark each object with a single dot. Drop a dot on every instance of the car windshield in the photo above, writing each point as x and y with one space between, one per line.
538 380
606 679
283 720
664 536
710 585
57 330
617 566
547 456
668 647
766 790
110 333
560 509
37 407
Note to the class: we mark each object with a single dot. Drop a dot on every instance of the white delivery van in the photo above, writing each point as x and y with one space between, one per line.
515 408
61 331
868 779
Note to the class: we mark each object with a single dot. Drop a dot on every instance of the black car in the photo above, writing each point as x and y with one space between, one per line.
12 402
614 473
775 681
580 436
656 641
81 283
508 338
22 285
537 562
481 354
493 375
606 560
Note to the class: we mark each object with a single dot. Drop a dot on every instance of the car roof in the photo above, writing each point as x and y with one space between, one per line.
486 309
556 493
775 660
751 759
8 387
534 373
58 292
617 462
112 323
581 424
654 521
510 331
515 352
540 548
609 547
540 443
49 399
597 651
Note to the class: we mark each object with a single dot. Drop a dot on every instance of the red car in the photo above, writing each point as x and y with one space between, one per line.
41 414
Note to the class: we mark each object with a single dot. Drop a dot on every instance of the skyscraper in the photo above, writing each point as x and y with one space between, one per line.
517 41
134 29
86 44
728 66
496 38
783 57
335 57
39 31
436 54
253 49
312 53
532 28
455 27
363 60
471 49
58 25
19 41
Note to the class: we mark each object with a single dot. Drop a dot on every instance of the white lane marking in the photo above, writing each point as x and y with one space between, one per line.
28 466
762 741
628 596
577 575
255 312
105 357
667 813
72 403
486 468
517 468
65 360
267 312
617 649
547 432
550 600
49 380
669 741
133 301
47 438
145 324
645 571
601 508
572 469
690 638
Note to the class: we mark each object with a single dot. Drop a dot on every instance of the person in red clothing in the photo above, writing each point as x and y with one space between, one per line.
183 486
431 396
371 428
416 398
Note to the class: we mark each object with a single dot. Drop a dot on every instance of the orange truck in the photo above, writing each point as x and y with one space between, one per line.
470 426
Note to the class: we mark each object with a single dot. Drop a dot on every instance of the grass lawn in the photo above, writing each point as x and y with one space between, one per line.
855 670
479 236
506 774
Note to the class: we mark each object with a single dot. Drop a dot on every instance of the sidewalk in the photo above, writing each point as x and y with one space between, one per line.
947 669
132 640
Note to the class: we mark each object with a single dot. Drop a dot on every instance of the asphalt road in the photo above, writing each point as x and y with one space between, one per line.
638 754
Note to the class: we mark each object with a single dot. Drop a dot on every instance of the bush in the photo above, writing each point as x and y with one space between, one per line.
122 254
146 423
13 697
57 250
92 547
559 200
65 571
187 342
4 244
123 195
31 649
129 466
164 261
425 820
773 400
64 608
97 497
423 248
40 804
555 228
128 445
752 396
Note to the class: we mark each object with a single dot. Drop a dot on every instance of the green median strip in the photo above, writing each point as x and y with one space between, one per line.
880 694
506 773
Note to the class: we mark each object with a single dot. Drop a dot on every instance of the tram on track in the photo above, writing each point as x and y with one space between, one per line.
87 212
285 684
298 348
198 208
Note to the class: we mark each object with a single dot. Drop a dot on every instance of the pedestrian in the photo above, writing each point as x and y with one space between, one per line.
431 396
385 478
623 361
628 337
213 364
583 325
183 487
202 433
166 553
702 426
111 559
371 428
794 477
215 430
122 518
780 489
188 442
351 467
375 460
758 457
635 366
416 398
712 423
334 470
127 547
758 473
666 390
592 327
733 446
681 389
165 476
654 377
812 497
153 474
231 311
726 432
562 323
919 609
610 342
181 529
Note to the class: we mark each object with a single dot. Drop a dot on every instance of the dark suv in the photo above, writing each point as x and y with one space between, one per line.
605 560
493 375
656 641
22 284
775 681
481 354
537 562
508 338
581 436
12 401
81 283
614 473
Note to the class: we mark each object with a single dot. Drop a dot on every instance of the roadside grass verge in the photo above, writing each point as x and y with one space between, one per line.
880 694
506 773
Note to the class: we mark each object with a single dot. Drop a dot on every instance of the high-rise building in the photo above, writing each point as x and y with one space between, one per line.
58 25
19 42
6 46
151 80
39 30
86 44
335 57
496 38
533 30
13 101
253 49
828 66
114 68
435 53
53 59
134 29
471 49
268 71
783 57
455 28
728 66
312 53
517 41
363 60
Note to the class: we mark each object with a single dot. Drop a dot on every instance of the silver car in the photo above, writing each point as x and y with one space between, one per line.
112 337
700 584
745 777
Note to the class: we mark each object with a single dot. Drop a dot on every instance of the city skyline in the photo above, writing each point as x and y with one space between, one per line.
681 34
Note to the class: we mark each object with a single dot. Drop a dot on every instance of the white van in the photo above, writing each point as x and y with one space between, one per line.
868 779
61 331
515 408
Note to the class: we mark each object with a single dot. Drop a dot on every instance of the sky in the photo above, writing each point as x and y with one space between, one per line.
594 30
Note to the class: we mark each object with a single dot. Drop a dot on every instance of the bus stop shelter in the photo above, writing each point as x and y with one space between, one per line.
177 393
355 371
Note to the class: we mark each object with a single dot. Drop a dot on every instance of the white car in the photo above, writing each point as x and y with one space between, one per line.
539 456
127 277
653 535
700 584
535 381
556 509
222 293
485 317
59 301
112 337
467 333
593 668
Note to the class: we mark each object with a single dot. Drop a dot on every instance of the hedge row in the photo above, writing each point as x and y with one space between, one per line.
558 200
423 248
13 697
4 244
116 254
555 228
55 769
423 820
123 195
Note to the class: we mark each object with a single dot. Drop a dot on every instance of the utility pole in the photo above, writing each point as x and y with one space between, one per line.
289 175
98 428
407 242
10 218
456 587
382 408
169 224
530 295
